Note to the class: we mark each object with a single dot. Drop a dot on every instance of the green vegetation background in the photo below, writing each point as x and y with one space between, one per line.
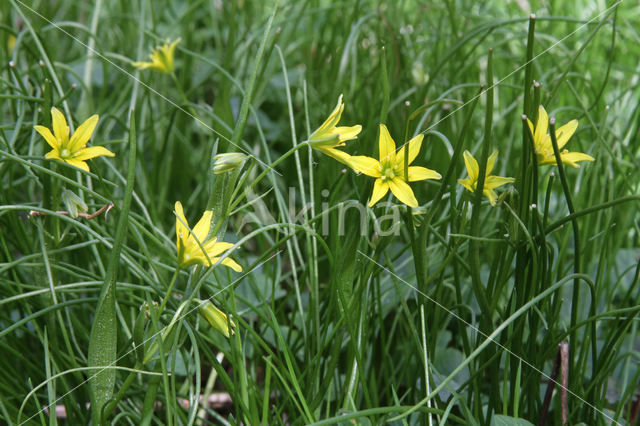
330 324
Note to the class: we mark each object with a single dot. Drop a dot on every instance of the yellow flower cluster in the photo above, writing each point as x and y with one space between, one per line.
392 170
193 246
389 170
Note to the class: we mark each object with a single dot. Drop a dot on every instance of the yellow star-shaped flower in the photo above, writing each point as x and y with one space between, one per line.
327 137
161 58
490 182
389 170
542 141
189 251
71 150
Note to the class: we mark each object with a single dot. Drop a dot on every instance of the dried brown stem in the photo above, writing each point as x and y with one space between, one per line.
106 208
561 364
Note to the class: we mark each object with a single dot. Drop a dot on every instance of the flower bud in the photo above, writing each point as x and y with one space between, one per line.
228 161
215 317
73 203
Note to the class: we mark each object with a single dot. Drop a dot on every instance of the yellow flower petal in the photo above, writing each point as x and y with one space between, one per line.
491 195
215 248
380 189
387 147
79 164
468 184
59 124
403 192
53 155
347 133
92 152
142 65
182 232
565 132
414 146
336 154
201 230
365 165
169 52
491 161
417 173
48 137
492 182
231 264
571 158
541 125
531 129
472 166
83 133
331 121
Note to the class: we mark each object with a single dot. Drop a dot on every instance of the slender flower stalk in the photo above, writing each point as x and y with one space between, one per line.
542 141
329 136
161 58
389 170
72 150
490 182
194 248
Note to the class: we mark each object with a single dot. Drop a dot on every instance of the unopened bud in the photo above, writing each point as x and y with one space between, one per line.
73 203
228 161
215 317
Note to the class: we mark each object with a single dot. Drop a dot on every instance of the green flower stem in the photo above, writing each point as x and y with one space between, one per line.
528 70
474 249
169 289
419 250
479 290
183 95
385 89
313 265
575 301
457 151
525 184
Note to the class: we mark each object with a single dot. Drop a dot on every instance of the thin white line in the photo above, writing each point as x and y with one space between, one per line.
100 370
468 324
145 85
516 70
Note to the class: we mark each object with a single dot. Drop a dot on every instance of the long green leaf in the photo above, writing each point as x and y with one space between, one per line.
104 332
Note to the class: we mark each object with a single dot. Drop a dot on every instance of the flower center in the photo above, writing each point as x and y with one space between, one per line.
387 173
65 153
